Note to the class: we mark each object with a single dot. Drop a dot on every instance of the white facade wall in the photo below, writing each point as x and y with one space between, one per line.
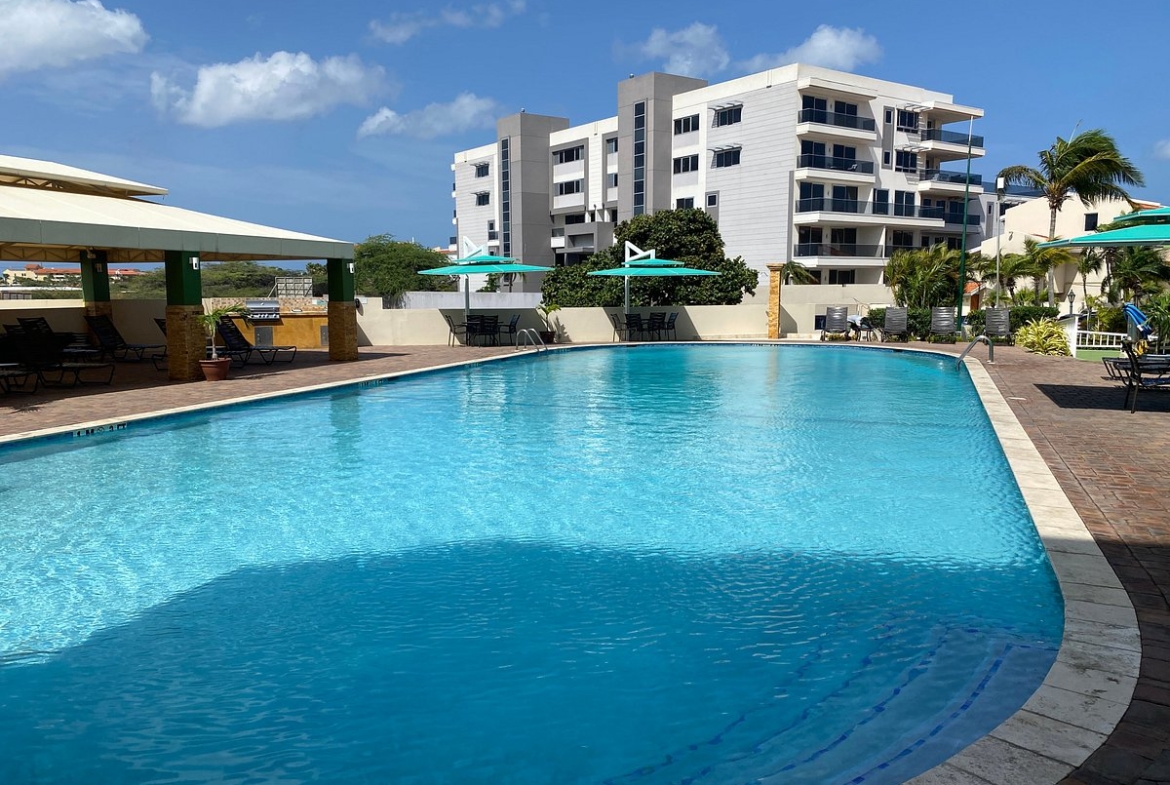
471 220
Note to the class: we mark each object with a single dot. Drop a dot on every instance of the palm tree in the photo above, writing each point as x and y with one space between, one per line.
1137 271
1011 267
923 277
1087 164
795 272
1089 262
1043 261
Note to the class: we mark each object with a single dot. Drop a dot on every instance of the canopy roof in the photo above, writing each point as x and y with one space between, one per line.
50 213
1141 234
1159 214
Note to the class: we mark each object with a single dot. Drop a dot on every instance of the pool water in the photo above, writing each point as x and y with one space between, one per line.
707 564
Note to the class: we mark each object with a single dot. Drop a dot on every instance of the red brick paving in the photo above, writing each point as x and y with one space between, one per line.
1114 466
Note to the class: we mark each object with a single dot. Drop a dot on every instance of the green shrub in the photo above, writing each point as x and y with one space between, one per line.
1022 314
1043 336
1110 320
876 316
917 320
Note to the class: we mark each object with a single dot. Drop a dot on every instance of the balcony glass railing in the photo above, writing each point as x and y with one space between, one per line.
950 137
890 250
833 118
839 249
957 218
827 204
943 176
837 164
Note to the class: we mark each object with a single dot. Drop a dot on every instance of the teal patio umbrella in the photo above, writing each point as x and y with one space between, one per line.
480 264
644 264
1147 227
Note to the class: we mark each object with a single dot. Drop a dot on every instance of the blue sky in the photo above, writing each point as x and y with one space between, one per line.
340 119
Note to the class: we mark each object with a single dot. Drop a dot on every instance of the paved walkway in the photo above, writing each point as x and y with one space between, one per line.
1114 467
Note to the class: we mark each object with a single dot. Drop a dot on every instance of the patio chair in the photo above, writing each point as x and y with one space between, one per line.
998 324
836 322
509 330
114 345
73 345
634 325
655 325
619 329
240 349
942 324
455 331
43 356
485 327
1143 373
669 329
897 325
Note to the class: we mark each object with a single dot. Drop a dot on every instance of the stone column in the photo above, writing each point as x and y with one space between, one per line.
186 337
775 273
343 339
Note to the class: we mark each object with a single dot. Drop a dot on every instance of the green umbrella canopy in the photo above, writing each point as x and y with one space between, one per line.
482 264
639 271
1157 215
1140 234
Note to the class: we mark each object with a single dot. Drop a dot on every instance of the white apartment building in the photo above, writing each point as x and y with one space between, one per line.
831 169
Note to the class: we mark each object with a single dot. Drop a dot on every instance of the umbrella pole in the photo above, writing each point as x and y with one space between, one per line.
627 288
466 297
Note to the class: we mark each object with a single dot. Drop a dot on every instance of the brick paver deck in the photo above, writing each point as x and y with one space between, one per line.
1114 467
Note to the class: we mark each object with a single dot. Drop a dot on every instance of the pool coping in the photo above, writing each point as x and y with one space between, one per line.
1089 686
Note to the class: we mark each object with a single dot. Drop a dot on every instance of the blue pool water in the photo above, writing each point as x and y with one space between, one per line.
711 564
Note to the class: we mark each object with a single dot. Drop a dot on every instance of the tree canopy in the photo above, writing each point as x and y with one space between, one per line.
385 267
220 279
688 236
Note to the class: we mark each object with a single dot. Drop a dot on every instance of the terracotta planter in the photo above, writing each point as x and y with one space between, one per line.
215 370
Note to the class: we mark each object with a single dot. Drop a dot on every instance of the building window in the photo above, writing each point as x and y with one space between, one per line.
575 218
899 239
812 102
881 201
505 196
905 161
889 116
570 187
725 158
481 170
491 226
886 158
907 121
611 179
611 145
712 200
640 158
568 155
688 163
1090 222
684 204
685 125
728 116
904 203
842 276
482 198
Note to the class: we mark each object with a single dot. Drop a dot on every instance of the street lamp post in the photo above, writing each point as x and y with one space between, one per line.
999 186
1071 296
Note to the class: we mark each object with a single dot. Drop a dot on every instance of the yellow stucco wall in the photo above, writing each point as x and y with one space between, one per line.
300 330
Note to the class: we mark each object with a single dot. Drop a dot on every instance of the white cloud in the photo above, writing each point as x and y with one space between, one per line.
285 86
56 33
697 50
1162 149
405 25
841 48
465 113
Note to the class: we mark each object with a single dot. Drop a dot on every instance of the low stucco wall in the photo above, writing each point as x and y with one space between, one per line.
801 304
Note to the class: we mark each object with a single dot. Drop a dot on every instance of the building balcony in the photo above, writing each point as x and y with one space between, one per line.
825 123
948 182
840 255
949 145
826 210
973 220
823 167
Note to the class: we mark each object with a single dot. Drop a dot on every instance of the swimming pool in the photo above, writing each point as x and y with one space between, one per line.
649 564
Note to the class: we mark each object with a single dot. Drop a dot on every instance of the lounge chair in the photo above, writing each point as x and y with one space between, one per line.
998 324
1143 373
43 356
114 345
240 349
942 324
836 322
73 345
897 325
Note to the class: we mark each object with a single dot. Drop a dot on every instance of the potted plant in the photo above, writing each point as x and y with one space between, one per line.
549 333
215 368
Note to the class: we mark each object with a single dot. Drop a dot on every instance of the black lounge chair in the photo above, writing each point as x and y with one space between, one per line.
43 356
897 325
73 345
998 324
1143 373
836 322
240 349
114 345
942 324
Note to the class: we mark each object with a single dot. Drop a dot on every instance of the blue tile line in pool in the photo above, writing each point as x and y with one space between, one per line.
919 669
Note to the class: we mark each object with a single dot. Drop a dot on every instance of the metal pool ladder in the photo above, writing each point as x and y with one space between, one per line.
970 346
532 337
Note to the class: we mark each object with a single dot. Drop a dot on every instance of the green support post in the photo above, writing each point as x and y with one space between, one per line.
184 282
95 277
341 286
